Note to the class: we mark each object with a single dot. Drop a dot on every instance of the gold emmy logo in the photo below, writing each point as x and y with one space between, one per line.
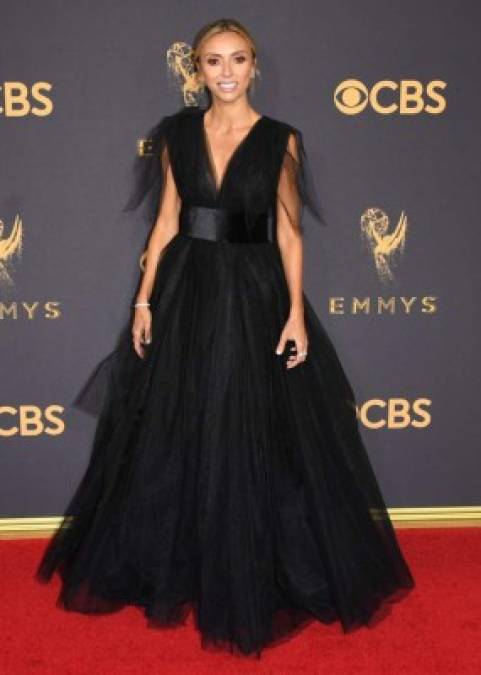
382 244
10 246
181 66
352 96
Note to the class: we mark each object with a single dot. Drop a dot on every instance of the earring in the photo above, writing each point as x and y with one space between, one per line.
254 80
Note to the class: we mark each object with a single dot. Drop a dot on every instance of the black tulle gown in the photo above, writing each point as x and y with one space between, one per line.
220 480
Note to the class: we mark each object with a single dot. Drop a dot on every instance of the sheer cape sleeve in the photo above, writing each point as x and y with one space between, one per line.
296 190
150 169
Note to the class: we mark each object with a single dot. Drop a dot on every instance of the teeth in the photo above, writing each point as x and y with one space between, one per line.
227 85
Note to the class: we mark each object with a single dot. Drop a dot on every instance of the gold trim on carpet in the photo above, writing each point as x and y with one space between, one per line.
432 516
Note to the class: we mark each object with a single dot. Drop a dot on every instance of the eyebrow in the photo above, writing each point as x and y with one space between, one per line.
239 51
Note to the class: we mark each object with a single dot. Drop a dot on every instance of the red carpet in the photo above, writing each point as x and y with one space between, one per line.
437 629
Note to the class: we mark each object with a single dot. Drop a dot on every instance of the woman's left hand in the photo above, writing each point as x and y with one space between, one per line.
295 330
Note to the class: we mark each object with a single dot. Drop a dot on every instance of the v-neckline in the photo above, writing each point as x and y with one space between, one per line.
206 147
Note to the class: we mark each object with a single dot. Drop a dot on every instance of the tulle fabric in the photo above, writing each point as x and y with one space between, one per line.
284 179
282 182
220 481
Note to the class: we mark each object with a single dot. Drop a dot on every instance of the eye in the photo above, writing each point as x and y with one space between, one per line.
240 59
212 61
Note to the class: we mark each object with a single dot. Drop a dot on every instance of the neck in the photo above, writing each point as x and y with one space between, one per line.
225 116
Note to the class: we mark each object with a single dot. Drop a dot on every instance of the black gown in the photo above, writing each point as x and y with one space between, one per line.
219 480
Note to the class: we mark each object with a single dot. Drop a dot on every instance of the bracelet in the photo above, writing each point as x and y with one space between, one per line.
142 304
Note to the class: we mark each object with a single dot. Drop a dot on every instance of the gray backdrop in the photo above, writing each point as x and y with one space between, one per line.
396 158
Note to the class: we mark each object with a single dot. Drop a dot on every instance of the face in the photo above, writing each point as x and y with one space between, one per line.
226 65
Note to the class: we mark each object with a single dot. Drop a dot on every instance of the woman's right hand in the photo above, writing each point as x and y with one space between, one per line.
142 329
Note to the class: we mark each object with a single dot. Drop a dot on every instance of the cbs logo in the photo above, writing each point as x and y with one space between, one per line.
395 413
20 100
30 420
408 97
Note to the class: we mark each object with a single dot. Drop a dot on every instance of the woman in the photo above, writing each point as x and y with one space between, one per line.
228 474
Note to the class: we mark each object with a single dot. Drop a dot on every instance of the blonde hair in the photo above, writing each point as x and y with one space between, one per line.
183 59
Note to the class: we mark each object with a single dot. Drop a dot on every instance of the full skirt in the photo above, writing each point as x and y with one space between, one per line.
221 481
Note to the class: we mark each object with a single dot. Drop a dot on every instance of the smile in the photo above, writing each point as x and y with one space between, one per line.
227 86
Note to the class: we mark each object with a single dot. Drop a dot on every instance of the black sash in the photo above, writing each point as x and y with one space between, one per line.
218 224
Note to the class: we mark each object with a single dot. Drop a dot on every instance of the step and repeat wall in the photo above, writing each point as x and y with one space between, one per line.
388 102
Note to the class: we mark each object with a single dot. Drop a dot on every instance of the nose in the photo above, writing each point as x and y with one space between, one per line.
226 69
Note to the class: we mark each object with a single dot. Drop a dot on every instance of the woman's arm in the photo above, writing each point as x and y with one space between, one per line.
288 235
165 228
289 239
